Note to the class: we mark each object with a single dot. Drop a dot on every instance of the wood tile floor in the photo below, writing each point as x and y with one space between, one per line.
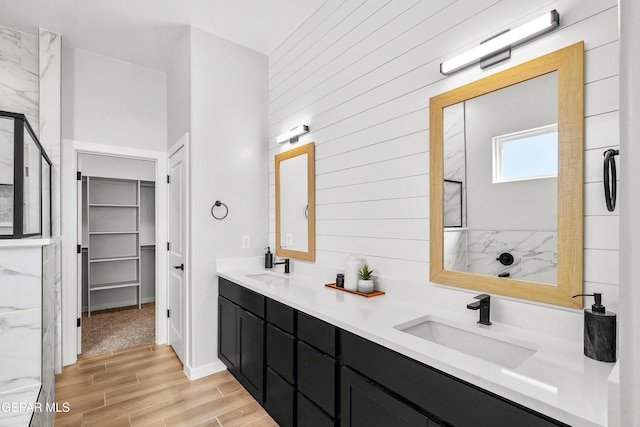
145 386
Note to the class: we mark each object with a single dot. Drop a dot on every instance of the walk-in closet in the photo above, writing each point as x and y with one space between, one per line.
118 252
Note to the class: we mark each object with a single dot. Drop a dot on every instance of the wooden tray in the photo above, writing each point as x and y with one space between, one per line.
372 294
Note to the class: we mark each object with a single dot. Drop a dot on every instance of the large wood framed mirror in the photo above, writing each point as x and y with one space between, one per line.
295 203
506 181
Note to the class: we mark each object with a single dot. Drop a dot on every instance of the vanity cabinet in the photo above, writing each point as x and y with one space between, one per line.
241 335
309 373
441 396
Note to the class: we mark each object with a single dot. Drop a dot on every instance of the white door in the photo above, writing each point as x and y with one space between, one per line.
80 243
177 251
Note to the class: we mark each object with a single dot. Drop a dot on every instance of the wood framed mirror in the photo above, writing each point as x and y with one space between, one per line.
506 181
295 203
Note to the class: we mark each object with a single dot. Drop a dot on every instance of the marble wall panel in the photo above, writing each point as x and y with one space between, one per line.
50 72
57 315
20 279
455 164
534 252
17 416
455 250
19 82
21 338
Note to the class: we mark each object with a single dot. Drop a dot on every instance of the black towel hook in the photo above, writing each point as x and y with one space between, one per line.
216 204
610 179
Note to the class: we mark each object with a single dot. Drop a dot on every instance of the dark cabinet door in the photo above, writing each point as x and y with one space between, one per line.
281 353
251 353
228 333
309 415
317 377
364 404
279 399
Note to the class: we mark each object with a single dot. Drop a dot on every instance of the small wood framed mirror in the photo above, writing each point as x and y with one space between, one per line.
295 203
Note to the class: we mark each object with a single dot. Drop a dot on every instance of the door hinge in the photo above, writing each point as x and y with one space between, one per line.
168 246
168 179
79 249
79 176
168 313
79 322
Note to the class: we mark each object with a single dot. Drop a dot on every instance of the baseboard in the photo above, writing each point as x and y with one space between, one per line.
203 371
96 307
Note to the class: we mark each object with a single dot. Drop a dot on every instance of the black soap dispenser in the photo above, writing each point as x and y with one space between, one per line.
599 331
268 258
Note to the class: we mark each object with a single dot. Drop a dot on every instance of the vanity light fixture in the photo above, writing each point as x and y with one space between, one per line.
292 135
502 42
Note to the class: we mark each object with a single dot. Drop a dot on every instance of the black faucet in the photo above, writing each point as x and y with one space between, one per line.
284 261
484 305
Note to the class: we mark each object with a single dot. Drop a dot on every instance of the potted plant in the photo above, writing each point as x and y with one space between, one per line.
365 284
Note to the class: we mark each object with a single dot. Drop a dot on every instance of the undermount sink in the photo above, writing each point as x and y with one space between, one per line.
268 278
472 340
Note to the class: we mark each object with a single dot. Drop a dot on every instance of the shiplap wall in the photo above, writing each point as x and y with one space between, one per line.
360 74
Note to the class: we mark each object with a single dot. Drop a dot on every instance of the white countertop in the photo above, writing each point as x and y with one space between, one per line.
558 380
28 242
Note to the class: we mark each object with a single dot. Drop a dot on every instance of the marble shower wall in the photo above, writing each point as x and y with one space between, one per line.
19 88
50 78
20 329
47 395
454 169
535 254
30 83
19 93
455 250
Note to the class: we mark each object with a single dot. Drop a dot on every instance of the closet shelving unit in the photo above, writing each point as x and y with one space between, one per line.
114 258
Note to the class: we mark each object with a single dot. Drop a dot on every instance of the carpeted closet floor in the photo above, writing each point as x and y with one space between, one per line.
116 329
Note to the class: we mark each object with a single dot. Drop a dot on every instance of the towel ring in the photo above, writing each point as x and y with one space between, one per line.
216 204
306 211
610 179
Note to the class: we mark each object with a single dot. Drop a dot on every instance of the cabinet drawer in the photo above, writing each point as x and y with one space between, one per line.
434 391
319 334
280 399
281 351
363 404
309 415
245 298
281 315
317 377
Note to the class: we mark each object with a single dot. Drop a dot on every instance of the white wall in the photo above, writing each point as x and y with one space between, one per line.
360 74
629 390
179 92
108 101
116 167
228 150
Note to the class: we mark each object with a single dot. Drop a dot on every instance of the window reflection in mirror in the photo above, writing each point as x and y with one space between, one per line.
527 154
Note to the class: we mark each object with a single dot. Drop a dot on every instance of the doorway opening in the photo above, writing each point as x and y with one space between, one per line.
73 240
117 213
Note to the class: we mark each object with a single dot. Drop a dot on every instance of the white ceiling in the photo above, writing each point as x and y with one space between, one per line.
148 32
